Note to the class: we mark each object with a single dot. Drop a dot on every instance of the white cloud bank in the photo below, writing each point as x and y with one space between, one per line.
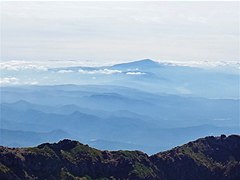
9 80
15 81
135 73
64 71
100 71
22 65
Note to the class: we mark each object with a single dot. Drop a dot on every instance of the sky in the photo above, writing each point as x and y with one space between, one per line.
109 32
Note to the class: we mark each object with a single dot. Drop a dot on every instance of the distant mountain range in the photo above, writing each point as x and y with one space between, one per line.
111 117
209 158
130 105
146 75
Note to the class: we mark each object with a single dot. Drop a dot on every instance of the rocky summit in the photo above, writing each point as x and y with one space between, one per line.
206 158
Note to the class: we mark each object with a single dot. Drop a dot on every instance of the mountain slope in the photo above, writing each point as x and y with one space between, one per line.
206 158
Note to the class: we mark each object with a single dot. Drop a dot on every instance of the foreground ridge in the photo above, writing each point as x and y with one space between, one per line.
206 158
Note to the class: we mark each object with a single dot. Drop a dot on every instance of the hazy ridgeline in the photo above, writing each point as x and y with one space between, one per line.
140 105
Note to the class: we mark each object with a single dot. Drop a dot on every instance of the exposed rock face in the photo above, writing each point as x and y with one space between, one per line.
206 158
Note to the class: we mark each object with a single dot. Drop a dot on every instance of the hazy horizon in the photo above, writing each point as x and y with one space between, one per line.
113 32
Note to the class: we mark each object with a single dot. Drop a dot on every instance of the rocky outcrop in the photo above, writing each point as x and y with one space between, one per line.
206 158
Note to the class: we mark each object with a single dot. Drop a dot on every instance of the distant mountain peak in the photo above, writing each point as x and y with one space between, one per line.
144 63
146 60
22 102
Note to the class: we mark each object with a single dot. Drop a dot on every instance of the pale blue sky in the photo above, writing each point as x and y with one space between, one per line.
120 31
